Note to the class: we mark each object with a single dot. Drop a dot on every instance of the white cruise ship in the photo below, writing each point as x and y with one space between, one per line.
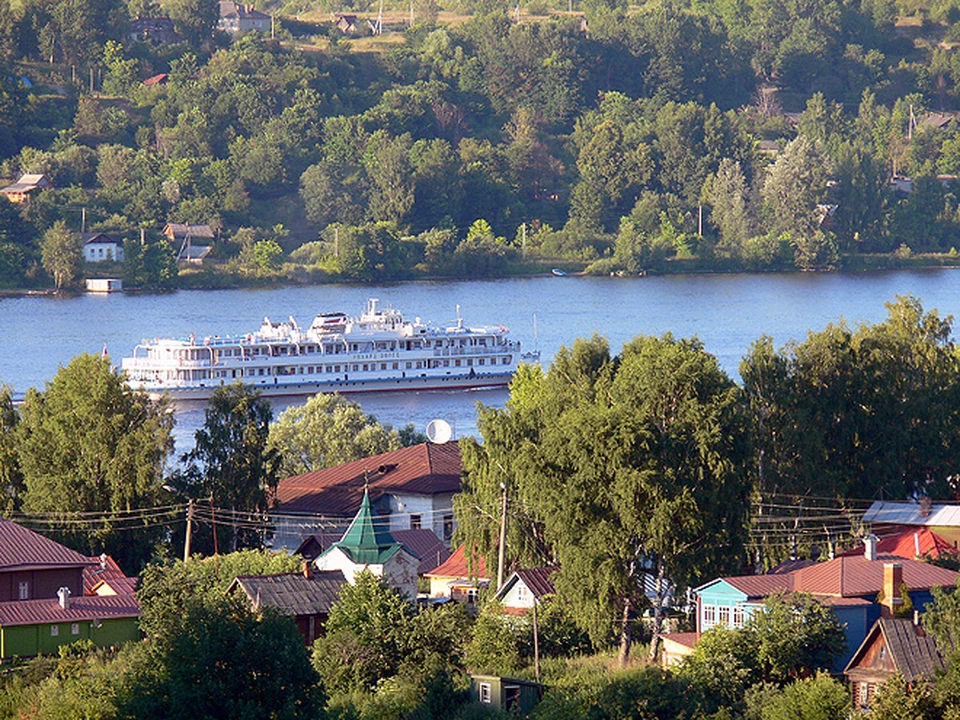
375 352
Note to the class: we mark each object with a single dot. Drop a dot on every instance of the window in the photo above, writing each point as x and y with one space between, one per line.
864 694
511 697
709 617
485 693
54 630
447 526
723 616
23 590
472 596
523 594
414 522
738 617
75 629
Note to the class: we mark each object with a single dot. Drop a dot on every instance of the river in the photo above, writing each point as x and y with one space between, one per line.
727 312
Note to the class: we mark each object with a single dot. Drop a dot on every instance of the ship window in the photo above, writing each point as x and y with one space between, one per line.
409 365
261 371
383 366
506 360
365 367
446 363
456 363
355 367
469 362
419 364
481 361
396 366
336 368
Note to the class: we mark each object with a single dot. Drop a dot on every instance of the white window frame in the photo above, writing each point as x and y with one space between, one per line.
23 590
54 631
485 695
709 617
75 629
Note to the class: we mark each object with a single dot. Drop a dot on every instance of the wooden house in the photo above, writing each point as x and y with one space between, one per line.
893 645
459 579
507 694
100 247
307 596
20 191
524 589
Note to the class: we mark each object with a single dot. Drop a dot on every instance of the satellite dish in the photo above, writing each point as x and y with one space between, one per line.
439 432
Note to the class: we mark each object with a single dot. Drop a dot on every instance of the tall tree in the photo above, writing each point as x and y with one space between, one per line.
327 430
796 183
231 462
11 478
630 466
61 254
89 443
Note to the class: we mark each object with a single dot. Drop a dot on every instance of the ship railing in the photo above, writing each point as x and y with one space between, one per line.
140 363
496 350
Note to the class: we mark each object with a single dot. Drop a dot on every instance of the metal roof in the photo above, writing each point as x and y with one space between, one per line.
900 513
456 567
22 548
424 469
913 652
48 611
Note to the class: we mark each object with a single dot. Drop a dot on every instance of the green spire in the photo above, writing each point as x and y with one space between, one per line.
364 542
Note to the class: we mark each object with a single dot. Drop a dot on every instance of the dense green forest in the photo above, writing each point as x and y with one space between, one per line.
738 134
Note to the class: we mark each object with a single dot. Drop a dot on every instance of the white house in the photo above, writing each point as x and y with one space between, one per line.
99 247
524 589
368 545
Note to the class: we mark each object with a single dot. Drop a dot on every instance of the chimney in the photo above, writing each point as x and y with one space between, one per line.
892 580
870 547
64 595
307 569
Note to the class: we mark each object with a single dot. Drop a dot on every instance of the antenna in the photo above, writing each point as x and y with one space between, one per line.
379 29
439 432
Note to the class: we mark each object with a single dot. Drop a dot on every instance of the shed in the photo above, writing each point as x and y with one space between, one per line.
506 693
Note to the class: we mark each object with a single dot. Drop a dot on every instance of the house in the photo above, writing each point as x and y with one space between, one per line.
849 585
33 566
43 601
100 247
237 18
422 543
915 544
459 579
40 627
104 569
675 647
192 241
307 596
411 489
346 24
893 645
507 694
524 589
20 191
158 30
368 545
885 518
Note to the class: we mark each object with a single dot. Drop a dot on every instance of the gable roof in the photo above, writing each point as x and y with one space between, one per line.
367 541
100 569
180 230
26 183
292 593
843 577
48 611
22 549
98 237
456 567
424 469
913 652
536 580
907 542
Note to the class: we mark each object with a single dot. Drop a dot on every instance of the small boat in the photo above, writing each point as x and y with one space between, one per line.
375 352
558 272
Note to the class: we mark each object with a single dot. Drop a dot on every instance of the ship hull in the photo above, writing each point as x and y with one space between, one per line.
268 387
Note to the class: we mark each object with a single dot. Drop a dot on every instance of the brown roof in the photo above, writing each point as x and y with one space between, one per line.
914 653
456 567
21 549
424 469
116 586
292 593
538 580
179 230
687 639
38 612
100 569
855 576
844 577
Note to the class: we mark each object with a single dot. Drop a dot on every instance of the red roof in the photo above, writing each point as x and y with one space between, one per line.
118 586
22 549
37 612
687 639
425 469
905 543
101 568
456 567
156 79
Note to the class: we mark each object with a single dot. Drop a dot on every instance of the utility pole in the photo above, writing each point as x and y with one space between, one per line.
536 642
503 536
186 542
83 221
524 241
